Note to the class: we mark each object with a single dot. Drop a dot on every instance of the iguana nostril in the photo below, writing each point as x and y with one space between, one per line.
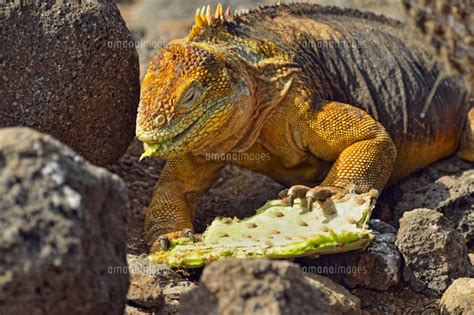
159 120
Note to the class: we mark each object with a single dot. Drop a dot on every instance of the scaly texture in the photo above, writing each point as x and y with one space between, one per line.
334 100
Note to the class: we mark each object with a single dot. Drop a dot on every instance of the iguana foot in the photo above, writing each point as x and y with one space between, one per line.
318 193
163 241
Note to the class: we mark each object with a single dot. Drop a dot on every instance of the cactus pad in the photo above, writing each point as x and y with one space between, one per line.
149 149
279 231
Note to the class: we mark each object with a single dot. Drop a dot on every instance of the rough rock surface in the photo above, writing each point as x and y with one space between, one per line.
446 186
144 291
435 253
154 288
376 267
341 301
62 230
379 264
447 27
232 286
459 297
67 70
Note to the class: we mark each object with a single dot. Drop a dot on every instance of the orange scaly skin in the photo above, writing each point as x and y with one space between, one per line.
331 118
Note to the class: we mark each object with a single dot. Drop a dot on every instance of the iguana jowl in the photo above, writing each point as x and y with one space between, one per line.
335 97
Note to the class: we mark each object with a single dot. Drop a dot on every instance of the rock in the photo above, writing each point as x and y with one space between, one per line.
154 288
130 310
459 297
434 252
341 301
144 291
63 230
70 70
446 24
446 186
376 267
258 286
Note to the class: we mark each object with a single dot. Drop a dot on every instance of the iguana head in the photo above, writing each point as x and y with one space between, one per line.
202 94
190 99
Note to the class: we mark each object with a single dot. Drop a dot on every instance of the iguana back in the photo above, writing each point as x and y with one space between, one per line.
365 60
370 62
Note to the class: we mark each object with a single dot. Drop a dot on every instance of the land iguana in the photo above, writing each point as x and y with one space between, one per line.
339 100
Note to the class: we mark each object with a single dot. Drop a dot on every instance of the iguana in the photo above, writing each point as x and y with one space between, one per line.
337 100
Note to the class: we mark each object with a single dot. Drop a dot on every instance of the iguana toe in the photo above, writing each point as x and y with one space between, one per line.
297 191
189 234
318 193
163 241
321 193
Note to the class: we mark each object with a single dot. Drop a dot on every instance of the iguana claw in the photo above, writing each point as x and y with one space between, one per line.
164 242
189 234
297 191
309 203
311 195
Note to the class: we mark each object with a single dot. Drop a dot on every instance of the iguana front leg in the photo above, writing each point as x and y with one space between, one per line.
171 211
362 151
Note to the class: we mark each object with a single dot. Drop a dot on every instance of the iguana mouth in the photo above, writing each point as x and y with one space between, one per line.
169 141
180 136
169 132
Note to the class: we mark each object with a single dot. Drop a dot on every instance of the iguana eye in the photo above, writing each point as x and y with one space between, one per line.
190 96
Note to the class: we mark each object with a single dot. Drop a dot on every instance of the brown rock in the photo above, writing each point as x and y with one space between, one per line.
144 291
155 288
434 252
67 69
447 27
258 286
446 186
458 298
341 301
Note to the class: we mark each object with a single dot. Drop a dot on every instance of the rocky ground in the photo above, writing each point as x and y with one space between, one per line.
63 245
395 277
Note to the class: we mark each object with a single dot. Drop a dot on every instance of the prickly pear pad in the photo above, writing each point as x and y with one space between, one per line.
279 231
149 150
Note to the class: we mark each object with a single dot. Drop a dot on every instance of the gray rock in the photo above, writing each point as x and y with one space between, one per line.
341 301
258 286
446 186
69 70
376 267
63 230
434 252
458 298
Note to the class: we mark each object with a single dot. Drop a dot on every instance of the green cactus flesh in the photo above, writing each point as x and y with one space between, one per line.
279 231
149 150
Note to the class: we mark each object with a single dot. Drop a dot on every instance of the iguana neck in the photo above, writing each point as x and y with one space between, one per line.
269 74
